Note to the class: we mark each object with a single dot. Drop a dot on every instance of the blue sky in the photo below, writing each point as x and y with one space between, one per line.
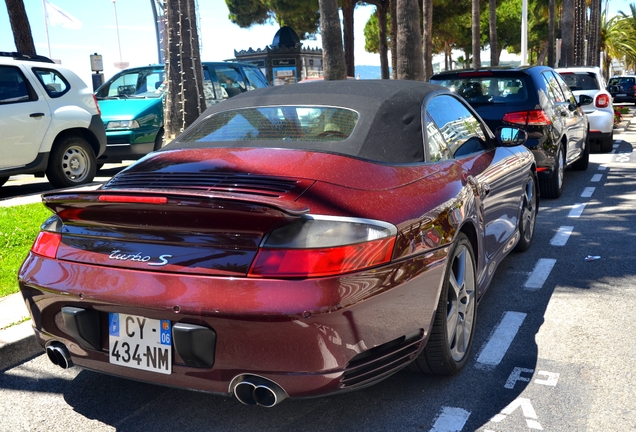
219 37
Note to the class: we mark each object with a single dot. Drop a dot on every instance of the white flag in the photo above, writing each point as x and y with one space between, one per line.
59 17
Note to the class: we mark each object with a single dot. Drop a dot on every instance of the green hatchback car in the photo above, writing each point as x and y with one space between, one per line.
131 103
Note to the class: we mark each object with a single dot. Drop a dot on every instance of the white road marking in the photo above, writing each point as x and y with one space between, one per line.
577 210
451 420
499 341
562 235
551 380
596 178
615 145
528 412
540 273
602 167
516 376
587 192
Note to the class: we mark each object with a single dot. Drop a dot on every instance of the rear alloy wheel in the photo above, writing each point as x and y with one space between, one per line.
607 143
452 335
72 163
582 163
553 187
528 216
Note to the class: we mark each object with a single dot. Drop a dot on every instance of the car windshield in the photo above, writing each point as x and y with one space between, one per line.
276 123
146 83
487 89
580 80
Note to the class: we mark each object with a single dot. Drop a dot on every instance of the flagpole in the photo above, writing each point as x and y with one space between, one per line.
46 25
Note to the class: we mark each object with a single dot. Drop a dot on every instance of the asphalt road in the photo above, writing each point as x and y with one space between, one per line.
552 349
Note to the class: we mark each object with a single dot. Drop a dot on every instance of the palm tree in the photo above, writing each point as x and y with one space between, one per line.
594 41
333 54
618 40
476 34
492 24
427 37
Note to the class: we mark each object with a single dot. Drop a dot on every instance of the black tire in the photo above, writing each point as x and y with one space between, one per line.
583 162
445 353
607 143
3 180
71 163
553 187
99 166
158 140
528 217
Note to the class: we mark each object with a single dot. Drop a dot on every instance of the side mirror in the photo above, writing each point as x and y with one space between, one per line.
511 136
585 100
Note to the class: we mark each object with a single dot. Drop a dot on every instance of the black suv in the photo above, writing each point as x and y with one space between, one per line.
536 99
622 88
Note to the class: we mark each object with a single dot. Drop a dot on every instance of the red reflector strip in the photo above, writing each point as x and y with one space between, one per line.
133 199
541 169
321 262
46 244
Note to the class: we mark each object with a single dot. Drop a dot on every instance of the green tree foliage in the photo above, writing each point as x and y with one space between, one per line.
301 15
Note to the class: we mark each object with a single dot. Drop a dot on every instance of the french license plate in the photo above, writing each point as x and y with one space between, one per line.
140 343
621 94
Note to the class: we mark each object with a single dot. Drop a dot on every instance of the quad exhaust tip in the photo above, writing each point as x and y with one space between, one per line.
255 390
59 355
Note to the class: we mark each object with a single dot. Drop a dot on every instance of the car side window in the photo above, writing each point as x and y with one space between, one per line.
554 90
451 129
255 77
231 80
53 82
208 88
13 86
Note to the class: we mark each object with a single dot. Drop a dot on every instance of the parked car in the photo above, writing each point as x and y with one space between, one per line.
293 242
600 112
536 99
622 88
49 122
132 103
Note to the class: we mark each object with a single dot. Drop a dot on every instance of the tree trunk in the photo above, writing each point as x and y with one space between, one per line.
594 45
384 49
492 21
393 36
427 38
410 63
567 34
476 35
20 27
347 22
332 52
184 76
551 36
580 24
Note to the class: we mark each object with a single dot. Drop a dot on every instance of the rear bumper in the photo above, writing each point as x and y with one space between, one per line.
601 123
312 337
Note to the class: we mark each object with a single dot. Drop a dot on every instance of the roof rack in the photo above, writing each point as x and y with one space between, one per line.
28 57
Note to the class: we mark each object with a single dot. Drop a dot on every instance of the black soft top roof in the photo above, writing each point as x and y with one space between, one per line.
389 129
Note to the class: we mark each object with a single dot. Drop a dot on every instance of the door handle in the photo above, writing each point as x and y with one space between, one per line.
36 115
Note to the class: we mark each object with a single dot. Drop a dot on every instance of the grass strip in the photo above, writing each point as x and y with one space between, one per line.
19 226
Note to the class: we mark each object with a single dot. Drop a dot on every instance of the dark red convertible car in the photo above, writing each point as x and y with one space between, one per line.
294 241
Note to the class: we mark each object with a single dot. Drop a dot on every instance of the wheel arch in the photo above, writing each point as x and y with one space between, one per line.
83 133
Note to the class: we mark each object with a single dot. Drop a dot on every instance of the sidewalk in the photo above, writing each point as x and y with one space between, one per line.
17 341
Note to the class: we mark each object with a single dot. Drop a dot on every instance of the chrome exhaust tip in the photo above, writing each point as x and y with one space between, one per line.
254 390
59 355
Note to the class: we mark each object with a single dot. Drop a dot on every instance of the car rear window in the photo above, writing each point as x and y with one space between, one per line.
580 80
621 81
276 123
487 89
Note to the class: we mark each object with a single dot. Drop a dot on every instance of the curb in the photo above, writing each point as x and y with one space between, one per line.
17 344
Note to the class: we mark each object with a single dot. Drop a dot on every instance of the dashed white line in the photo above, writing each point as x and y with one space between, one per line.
602 167
577 210
540 273
587 192
451 420
596 177
494 350
562 235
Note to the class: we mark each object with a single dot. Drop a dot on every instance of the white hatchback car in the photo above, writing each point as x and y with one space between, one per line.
49 122
600 113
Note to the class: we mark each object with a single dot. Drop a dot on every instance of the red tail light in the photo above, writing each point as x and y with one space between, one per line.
528 118
318 246
602 101
46 244
99 111
133 199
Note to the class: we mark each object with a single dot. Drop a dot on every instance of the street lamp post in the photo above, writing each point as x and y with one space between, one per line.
121 64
